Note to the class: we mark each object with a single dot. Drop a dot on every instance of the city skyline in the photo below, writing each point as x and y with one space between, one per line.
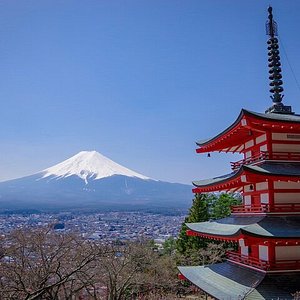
137 81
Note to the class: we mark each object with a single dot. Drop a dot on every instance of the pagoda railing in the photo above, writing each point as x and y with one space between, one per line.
285 265
284 207
249 209
293 264
267 208
249 160
264 155
247 260
284 156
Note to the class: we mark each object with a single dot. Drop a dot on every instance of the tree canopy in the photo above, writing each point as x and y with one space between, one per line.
205 207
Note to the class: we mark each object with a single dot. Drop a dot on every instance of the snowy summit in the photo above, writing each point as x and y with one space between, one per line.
89 164
89 181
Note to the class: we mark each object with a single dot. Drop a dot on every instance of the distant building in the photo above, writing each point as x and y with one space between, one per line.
266 227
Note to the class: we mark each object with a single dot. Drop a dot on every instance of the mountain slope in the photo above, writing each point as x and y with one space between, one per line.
89 180
89 164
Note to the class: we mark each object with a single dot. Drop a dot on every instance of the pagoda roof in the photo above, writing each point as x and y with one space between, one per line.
247 126
276 168
275 116
244 175
231 281
260 226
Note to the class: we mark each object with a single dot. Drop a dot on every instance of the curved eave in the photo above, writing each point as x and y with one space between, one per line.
231 281
225 228
226 182
223 280
212 144
276 169
249 174
211 231
247 126
233 227
279 227
282 118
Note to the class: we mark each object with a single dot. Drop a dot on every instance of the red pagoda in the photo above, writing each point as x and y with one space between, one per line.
266 227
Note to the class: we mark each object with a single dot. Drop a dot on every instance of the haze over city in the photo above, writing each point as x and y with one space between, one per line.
138 81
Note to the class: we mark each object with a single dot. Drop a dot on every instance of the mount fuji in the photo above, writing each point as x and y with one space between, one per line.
89 180
89 165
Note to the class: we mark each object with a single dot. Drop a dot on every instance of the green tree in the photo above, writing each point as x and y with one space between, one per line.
199 212
205 207
169 246
220 208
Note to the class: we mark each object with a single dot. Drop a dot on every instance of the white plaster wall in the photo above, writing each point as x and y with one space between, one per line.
248 154
287 252
263 148
264 198
261 186
286 148
245 250
286 198
261 138
285 136
249 144
286 185
247 200
244 122
263 252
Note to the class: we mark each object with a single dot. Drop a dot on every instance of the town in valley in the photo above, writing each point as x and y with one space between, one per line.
108 227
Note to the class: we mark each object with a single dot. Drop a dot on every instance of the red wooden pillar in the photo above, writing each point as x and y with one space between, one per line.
271 194
269 144
271 252
254 251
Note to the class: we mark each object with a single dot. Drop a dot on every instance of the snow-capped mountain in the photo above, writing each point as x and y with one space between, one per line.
89 164
89 180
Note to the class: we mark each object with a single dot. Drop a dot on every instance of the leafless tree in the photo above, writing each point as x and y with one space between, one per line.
46 265
212 253
134 270
122 268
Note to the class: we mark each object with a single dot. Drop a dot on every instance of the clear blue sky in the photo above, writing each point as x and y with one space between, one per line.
139 81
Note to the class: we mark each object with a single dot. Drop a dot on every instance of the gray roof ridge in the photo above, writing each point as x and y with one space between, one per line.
205 141
224 280
270 116
262 225
273 168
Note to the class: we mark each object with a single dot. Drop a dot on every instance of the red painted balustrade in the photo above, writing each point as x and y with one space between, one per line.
249 209
283 156
264 155
285 265
286 207
247 161
277 265
266 208
247 260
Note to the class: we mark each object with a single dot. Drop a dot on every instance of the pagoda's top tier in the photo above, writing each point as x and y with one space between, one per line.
247 126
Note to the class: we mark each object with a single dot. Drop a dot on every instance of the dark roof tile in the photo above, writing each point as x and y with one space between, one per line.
266 226
230 281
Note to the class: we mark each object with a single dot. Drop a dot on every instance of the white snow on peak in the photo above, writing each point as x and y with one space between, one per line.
88 164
